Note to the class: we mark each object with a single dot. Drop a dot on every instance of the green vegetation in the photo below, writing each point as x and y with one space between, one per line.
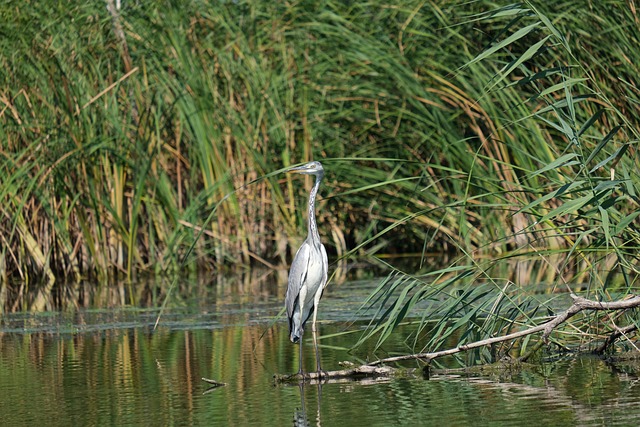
495 134
555 160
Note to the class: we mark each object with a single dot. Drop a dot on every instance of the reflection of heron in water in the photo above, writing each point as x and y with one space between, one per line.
308 273
300 418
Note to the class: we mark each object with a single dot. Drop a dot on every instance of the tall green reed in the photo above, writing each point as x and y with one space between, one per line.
112 157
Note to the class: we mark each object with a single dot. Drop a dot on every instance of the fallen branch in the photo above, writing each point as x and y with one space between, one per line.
579 304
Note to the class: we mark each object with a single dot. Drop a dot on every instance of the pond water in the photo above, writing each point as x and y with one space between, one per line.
107 366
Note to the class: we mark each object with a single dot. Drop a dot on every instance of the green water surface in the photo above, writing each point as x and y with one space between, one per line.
108 366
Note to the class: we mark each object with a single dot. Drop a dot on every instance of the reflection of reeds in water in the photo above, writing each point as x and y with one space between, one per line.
109 370
240 287
128 376
247 286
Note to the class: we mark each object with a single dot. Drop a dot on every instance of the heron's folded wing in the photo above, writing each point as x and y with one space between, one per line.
297 274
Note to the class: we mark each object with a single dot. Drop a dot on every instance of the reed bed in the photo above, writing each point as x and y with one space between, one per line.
555 160
490 133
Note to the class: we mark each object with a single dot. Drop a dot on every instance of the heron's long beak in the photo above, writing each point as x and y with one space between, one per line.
297 169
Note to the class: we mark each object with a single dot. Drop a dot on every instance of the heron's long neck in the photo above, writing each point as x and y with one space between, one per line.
313 228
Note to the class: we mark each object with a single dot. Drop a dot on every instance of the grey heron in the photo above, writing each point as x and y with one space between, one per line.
308 273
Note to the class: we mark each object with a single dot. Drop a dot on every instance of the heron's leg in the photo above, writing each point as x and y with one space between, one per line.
315 340
300 371
315 344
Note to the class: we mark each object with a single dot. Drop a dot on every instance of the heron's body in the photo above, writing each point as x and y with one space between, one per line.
307 278
308 273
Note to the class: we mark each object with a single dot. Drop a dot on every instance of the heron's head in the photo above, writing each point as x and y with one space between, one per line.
311 168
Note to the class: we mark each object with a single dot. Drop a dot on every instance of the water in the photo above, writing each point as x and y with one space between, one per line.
107 366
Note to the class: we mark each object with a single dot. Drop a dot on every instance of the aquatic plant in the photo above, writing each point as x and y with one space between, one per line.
561 146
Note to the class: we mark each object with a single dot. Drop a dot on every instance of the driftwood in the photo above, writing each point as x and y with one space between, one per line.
375 370
351 372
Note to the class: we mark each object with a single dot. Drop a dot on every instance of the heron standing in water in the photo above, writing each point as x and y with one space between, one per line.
308 273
